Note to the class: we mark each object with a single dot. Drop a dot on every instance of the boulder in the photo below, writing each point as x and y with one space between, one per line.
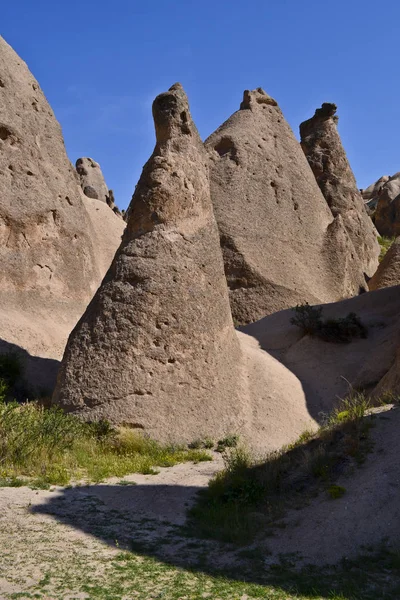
281 245
49 248
323 148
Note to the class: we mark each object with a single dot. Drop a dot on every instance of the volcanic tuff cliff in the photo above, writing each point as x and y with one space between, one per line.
281 245
51 256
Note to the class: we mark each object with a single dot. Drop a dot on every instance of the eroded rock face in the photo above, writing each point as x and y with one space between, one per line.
280 243
323 148
387 213
156 348
388 272
48 254
91 179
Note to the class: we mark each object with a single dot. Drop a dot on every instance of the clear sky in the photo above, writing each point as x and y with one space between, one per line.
101 63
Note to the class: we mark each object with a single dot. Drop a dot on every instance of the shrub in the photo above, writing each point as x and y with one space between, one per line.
336 491
230 441
385 243
342 330
251 494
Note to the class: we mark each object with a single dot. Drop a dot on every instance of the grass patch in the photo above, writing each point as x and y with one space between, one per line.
385 243
46 446
342 330
251 495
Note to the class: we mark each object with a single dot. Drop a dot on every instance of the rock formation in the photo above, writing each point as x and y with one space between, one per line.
329 371
323 148
91 179
156 348
280 243
48 251
93 184
370 194
387 213
388 273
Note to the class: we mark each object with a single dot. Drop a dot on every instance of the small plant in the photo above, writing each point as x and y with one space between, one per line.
385 244
341 330
206 443
230 441
336 491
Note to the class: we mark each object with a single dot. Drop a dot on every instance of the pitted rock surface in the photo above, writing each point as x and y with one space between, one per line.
48 250
156 348
323 148
280 243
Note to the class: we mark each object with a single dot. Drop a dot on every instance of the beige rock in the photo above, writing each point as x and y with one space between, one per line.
387 214
91 179
388 272
327 370
323 148
280 243
156 348
49 251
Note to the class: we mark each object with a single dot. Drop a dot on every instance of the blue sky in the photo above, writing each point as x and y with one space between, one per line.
101 63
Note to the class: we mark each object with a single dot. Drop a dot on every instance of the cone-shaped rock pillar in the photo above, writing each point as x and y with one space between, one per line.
156 348
327 158
280 244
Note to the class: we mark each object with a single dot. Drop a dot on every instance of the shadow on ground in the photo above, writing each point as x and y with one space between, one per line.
43 371
149 520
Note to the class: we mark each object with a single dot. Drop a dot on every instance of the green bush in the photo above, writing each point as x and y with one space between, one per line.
342 330
336 491
385 243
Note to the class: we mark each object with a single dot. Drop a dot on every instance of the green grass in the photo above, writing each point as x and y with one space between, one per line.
385 243
250 494
45 446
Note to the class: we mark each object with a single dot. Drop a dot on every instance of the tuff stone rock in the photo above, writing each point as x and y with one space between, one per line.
156 348
388 272
323 148
280 243
387 213
50 264
91 179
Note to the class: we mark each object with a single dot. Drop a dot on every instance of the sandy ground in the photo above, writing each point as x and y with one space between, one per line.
67 534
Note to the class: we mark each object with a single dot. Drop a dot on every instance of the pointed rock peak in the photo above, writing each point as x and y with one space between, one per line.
171 115
327 110
321 143
256 97
321 115
174 184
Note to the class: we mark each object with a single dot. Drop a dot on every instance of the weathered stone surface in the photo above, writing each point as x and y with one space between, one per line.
49 259
280 243
388 272
323 148
91 179
329 371
156 348
387 213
